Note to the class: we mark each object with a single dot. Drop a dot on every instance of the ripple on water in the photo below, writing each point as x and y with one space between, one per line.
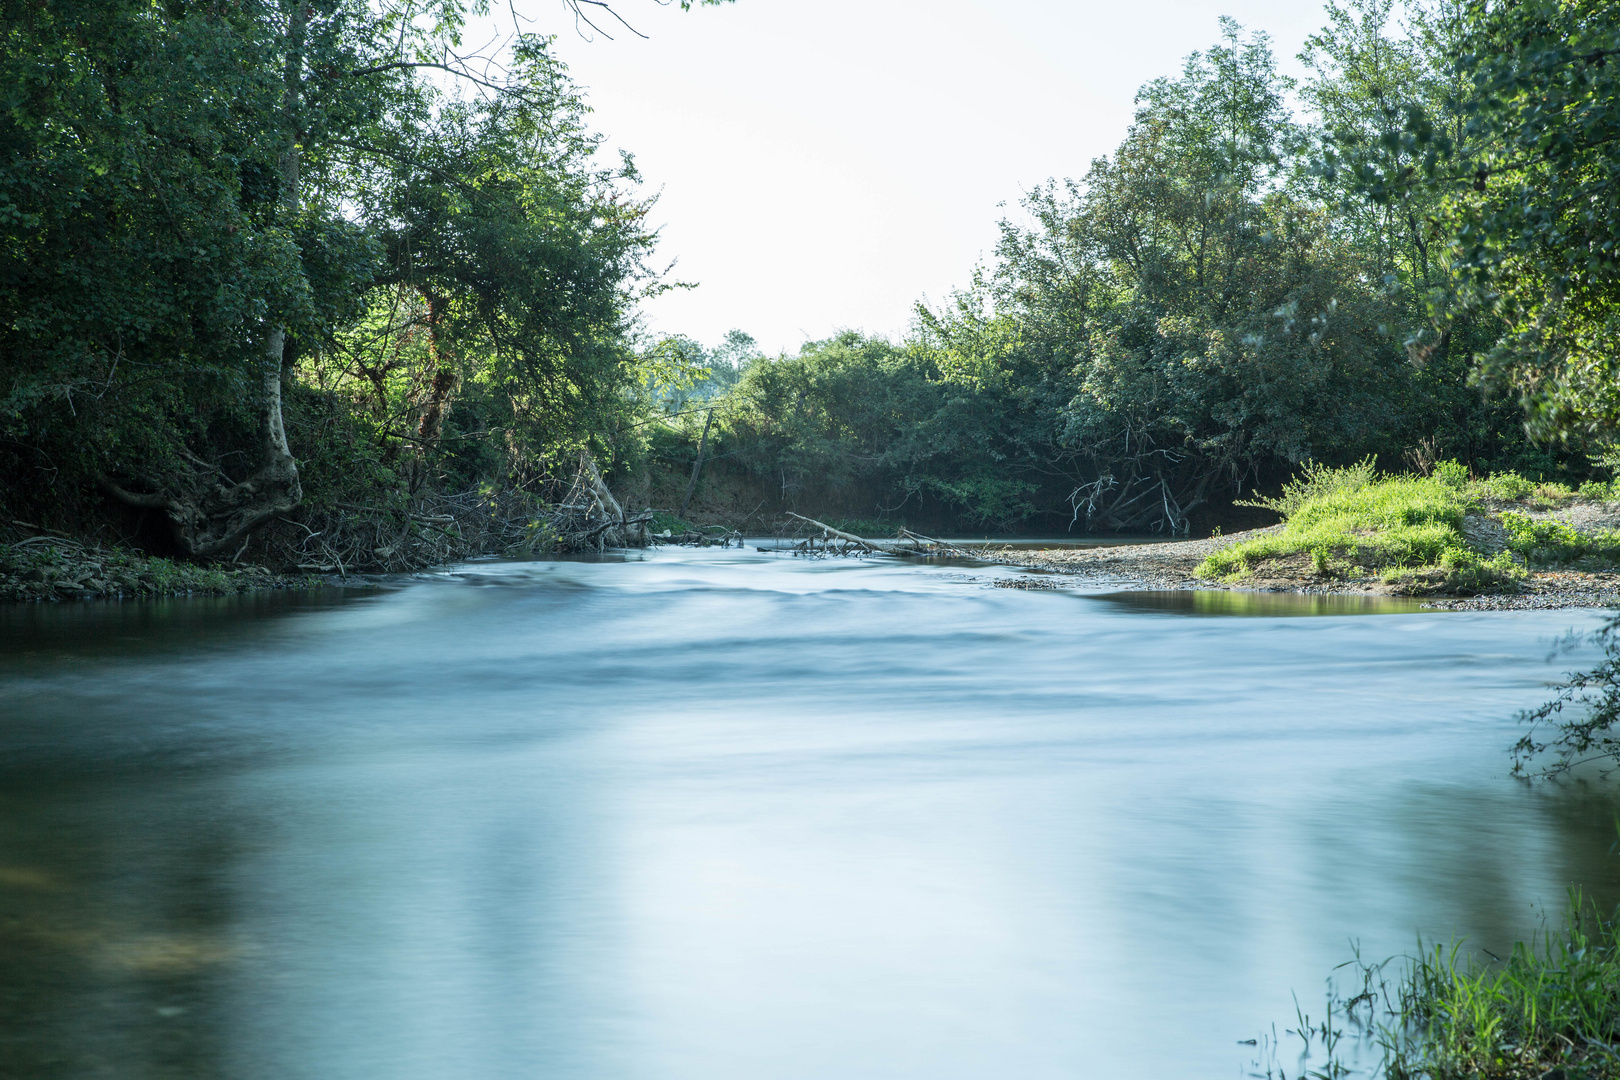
729 815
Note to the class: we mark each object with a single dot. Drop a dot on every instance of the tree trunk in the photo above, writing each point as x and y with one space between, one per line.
697 466
444 377
213 519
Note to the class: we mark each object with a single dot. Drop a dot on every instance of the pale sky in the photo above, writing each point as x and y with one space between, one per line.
825 164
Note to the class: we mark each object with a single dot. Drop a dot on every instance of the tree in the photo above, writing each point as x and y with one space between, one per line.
526 256
1367 75
142 239
201 198
1526 200
1215 321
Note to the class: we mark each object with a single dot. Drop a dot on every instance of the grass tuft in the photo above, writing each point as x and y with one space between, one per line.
1551 1008
1552 543
1351 520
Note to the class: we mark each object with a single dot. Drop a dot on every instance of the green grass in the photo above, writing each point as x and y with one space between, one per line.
1552 543
1551 1008
1539 495
1352 522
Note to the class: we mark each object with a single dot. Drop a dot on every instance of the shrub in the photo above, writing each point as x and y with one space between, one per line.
1316 481
1349 520
1453 474
1353 518
1600 490
1552 543
1508 487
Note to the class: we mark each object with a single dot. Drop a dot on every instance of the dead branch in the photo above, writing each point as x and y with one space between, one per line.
910 544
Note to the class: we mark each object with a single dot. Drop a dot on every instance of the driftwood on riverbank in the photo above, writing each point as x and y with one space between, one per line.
908 543
435 529
713 536
337 538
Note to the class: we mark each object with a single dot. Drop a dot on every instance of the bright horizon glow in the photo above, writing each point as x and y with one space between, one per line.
826 166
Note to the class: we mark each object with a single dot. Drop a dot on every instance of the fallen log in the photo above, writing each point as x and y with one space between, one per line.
910 544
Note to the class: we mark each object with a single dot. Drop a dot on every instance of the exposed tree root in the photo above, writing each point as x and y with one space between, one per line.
208 515
434 529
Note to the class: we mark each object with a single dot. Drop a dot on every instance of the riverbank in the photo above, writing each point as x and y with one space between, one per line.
1174 565
1458 541
53 568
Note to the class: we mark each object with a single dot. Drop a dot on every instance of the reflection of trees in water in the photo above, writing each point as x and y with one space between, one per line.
1585 820
1485 865
114 932
29 632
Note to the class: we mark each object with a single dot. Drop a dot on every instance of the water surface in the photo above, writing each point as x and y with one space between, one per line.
727 815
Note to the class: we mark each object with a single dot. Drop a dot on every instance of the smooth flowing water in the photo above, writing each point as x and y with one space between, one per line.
733 816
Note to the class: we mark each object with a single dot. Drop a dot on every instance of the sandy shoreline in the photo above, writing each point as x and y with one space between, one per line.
1172 565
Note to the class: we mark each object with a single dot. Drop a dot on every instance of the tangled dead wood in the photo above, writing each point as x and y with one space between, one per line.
434 529
713 536
908 543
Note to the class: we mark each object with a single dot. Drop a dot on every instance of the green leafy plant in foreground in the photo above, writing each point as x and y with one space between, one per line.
1580 719
1551 1008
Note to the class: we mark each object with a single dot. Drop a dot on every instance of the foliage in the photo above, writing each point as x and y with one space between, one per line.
455 275
1553 543
1550 1008
1351 520
1317 480
1188 323
139 258
184 185
1518 165
509 260
48 568
1599 490
681 374
912 424
1214 324
1582 715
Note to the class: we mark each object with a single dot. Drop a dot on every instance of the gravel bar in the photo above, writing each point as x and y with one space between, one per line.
1173 564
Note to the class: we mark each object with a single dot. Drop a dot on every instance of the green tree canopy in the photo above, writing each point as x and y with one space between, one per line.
1519 164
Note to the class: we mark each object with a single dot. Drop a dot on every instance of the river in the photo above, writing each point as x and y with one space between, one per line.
722 815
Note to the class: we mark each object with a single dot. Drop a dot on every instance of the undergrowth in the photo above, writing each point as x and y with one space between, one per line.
1550 1008
1553 1003
1355 522
1577 726
1352 521
52 568
1553 543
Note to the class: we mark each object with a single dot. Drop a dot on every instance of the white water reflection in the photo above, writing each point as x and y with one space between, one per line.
726 815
